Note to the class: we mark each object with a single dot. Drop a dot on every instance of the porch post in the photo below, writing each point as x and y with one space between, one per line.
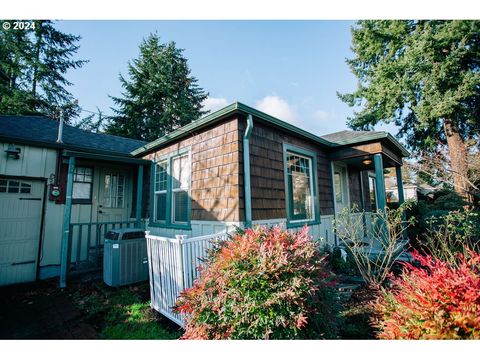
66 224
139 194
401 196
379 182
401 199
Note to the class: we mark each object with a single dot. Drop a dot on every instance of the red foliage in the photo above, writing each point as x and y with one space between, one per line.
261 284
434 301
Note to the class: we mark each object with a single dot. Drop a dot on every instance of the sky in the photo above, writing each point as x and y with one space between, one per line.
289 69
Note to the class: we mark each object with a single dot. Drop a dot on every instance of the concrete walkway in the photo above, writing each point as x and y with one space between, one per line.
40 311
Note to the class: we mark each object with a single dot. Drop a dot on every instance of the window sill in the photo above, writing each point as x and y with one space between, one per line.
298 224
170 226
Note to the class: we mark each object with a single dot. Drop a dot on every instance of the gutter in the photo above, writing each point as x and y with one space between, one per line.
246 172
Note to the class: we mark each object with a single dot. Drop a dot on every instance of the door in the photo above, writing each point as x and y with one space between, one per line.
21 203
113 196
340 182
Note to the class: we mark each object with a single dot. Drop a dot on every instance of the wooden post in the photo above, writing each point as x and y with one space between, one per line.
139 194
66 224
401 196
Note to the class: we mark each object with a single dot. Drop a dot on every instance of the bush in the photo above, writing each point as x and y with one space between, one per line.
435 301
262 284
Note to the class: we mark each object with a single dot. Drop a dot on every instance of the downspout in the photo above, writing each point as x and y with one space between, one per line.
246 172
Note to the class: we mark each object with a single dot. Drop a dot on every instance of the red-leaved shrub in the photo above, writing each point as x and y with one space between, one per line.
437 300
262 284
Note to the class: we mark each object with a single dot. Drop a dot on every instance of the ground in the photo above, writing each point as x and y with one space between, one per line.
84 310
89 309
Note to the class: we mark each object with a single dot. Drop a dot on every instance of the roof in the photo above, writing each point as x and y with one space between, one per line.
341 138
43 131
349 137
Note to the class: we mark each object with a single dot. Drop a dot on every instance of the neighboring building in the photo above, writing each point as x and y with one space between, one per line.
33 175
235 167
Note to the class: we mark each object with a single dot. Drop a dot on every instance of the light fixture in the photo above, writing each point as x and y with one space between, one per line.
13 152
366 161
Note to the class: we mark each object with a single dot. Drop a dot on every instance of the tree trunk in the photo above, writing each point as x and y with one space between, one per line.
458 160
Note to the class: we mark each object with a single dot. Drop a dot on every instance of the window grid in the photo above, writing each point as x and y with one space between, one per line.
114 193
14 187
161 176
82 184
300 182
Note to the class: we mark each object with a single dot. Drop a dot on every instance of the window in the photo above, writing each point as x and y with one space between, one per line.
14 187
82 185
372 193
300 183
338 188
171 191
114 192
161 170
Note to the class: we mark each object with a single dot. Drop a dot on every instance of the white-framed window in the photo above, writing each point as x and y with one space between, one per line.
14 187
172 190
114 191
372 192
82 185
300 187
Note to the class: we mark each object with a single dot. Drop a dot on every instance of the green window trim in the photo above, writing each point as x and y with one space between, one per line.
312 156
168 191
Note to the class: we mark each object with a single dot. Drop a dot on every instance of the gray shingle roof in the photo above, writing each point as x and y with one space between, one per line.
44 131
349 136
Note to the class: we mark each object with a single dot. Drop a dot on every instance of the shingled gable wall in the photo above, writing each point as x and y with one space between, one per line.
215 180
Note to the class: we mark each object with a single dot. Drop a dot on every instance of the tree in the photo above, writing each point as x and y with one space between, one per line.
423 76
33 64
160 94
93 122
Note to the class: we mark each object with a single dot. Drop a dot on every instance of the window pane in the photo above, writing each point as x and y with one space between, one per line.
161 207
180 206
338 188
180 172
161 176
299 181
373 198
25 188
81 190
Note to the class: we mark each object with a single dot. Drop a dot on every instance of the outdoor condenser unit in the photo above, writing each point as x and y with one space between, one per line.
125 257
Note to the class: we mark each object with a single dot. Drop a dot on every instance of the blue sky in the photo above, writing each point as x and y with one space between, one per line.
289 69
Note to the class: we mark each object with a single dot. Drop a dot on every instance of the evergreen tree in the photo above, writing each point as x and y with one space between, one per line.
425 77
33 64
160 94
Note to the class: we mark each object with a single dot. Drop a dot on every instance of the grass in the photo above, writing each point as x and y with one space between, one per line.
122 313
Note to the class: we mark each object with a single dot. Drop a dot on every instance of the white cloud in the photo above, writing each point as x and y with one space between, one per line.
321 115
278 107
213 104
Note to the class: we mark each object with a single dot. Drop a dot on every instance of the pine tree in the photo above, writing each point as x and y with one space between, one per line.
425 77
33 64
160 94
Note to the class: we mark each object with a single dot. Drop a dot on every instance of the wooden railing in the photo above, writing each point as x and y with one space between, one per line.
86 244
173 266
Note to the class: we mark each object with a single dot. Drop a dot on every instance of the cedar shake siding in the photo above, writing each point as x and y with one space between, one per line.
267 171
215 179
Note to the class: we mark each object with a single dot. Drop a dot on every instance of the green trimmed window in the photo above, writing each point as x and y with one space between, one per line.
300 170
172 191
82 185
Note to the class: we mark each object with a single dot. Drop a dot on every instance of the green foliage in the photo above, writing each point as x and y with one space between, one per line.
33 64
416 73
438 300
160 94
262 284
341 266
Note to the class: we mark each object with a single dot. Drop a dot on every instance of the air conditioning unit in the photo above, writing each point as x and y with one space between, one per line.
125 257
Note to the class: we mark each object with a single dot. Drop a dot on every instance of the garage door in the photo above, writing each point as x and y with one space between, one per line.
20 218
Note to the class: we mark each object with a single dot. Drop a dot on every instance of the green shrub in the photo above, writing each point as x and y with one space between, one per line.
261 284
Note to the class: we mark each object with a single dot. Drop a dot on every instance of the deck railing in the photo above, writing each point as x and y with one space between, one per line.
173 266
86 244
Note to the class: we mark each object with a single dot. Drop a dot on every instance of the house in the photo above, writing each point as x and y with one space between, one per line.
239 166
33 194
233 168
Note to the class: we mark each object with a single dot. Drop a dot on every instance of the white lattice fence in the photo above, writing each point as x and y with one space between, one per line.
173 266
